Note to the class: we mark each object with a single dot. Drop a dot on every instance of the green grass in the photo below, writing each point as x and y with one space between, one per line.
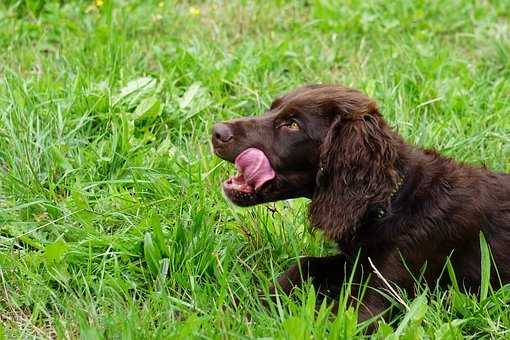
112 223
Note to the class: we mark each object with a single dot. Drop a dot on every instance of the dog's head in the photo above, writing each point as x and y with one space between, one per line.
327 143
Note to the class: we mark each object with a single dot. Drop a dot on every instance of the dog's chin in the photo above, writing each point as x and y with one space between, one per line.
277 189
245 196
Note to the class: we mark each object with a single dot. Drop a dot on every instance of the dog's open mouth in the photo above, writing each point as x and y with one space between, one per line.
254 170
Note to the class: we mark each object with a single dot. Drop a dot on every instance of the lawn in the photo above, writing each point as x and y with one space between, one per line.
112 221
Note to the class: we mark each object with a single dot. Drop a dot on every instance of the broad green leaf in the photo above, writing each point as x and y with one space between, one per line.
415 314
133 87
451 330
384 331
148 108
295 328
188 96
55 251
58 271
413 332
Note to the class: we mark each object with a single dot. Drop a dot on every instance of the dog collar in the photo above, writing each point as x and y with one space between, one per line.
381 212
319 177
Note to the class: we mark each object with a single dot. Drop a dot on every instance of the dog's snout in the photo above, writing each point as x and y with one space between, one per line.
222 133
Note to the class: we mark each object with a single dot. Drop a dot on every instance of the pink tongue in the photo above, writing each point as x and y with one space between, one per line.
254 167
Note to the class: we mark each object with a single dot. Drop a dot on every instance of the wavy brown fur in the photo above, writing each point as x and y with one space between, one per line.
359 160
349 162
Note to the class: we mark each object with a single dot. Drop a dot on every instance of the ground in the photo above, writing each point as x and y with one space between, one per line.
112 221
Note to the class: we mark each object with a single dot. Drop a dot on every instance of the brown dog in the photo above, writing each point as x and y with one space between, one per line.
398 206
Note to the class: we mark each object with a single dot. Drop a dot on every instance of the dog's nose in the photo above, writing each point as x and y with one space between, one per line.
222 133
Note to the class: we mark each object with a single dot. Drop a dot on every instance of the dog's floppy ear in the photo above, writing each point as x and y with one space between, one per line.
358 168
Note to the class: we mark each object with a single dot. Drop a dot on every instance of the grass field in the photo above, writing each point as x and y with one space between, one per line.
112 222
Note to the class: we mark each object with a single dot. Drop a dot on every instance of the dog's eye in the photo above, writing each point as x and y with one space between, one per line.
292 125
